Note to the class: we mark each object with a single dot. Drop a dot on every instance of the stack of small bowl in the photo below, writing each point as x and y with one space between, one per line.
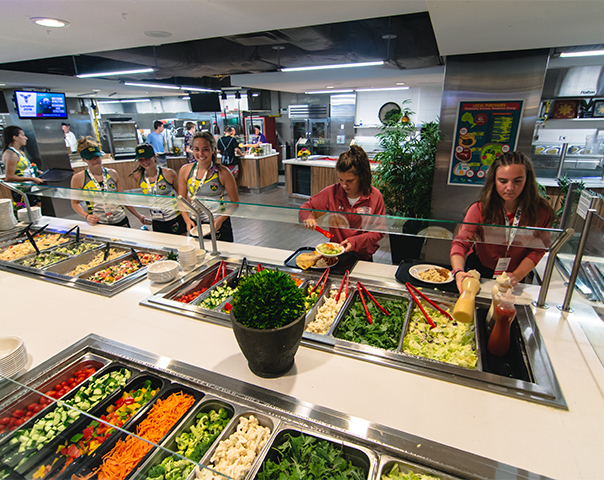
7 217
13 356
187 256
162 272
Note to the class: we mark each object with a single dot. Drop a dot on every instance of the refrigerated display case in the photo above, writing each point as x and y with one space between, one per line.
123 139
557 160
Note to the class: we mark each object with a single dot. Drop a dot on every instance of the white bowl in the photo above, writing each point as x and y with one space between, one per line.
13 355
340 248
201 254
9 346
162 272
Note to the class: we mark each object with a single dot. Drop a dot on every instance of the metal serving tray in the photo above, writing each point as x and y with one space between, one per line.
526 374
375 447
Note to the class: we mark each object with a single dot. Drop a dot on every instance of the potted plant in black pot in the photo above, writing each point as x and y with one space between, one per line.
404 176
268 318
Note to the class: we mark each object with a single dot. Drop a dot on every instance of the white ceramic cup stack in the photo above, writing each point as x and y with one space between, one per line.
13 355
187 256
7 217
36 213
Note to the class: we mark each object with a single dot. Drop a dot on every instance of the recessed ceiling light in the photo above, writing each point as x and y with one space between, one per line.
49 22
329 86
400 83
157 34
96 89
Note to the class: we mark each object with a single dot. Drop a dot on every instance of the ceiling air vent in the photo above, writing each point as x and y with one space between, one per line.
307 111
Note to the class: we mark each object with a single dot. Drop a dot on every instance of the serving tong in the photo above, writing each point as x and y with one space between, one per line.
324 232
77 234
30 237
361 288
322 281
138 260
344 278
413 291
221 270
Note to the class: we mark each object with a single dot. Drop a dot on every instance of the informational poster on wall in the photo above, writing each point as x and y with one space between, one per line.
483 131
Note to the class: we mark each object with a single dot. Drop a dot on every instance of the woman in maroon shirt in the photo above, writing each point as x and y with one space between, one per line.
509 196
353 194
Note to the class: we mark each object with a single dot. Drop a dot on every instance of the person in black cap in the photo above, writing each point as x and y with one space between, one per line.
155 180
100 179
70 139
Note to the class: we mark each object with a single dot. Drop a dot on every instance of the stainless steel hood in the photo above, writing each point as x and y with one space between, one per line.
578 81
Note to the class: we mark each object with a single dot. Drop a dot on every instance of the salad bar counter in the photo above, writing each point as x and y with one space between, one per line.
94 264
127 413
337 322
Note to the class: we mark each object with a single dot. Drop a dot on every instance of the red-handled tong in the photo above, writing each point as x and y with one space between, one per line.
324 232
219 272
345 278
361 288
322 280
412 291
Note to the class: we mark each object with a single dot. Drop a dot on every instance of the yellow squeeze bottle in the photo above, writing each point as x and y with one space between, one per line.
463 311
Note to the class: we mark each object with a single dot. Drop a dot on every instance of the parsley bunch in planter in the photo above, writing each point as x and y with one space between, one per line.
268 299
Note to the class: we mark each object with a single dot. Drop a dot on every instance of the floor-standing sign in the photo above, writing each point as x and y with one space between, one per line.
483 131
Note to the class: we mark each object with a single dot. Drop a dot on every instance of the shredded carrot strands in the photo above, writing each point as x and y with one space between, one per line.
126 454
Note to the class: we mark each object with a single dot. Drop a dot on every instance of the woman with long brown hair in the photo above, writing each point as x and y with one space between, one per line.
509 197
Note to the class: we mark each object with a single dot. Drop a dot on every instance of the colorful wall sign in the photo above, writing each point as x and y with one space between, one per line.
484 130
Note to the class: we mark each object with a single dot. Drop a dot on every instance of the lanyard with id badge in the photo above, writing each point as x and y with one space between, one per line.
156 213
108 211
504 262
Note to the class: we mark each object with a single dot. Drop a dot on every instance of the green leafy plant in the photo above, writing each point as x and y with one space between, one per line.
406 165
268 299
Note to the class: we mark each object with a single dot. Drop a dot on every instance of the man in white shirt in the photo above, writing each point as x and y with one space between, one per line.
70 138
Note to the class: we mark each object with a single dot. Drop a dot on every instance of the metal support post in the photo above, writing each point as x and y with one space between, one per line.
25 199
197 208
549 266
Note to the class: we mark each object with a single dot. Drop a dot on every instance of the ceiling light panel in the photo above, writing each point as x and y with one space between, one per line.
115 72
49 22
328 67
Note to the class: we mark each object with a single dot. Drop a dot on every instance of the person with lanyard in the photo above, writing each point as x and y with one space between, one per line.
510 197
352 194
155 180
258 137
98 178
18 168
156 139
207 179
190 126
229 150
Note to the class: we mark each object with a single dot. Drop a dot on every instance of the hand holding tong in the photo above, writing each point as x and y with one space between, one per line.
361 288
413 291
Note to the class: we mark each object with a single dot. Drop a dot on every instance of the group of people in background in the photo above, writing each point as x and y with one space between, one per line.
509 197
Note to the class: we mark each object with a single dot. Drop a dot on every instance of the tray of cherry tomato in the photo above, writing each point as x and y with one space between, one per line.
57 386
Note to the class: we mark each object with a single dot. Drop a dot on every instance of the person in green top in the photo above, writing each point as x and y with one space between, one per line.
18 167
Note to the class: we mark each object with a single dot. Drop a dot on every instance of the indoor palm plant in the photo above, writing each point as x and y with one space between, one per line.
268 321
405 173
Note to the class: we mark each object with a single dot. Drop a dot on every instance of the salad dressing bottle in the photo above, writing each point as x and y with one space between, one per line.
503 285
463 311
505 312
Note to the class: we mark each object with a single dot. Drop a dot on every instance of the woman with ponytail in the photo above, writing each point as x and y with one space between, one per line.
348 205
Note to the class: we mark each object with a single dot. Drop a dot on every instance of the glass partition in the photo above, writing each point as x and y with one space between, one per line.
524 237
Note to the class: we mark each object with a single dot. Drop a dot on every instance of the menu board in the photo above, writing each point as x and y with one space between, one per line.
483 131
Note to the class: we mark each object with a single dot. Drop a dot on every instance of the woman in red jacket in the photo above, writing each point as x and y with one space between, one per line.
509 197
344 201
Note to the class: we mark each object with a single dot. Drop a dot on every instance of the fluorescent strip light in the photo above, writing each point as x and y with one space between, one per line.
591 53
314 92
152 85
117 72
134 100
380 89
327 67
185 98
195 89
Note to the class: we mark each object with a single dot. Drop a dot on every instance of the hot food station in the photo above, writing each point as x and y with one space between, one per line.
384 386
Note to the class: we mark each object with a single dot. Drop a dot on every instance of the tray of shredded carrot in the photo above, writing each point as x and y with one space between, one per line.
128 452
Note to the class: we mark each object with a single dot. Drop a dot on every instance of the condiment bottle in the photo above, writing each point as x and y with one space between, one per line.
463 311
503 285
505 312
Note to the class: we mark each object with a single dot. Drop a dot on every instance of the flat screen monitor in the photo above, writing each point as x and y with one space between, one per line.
40 104
205 102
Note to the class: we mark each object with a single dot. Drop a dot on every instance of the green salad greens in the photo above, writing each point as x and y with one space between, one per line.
192 444
396 474
268 299
305 457
449 342
385 331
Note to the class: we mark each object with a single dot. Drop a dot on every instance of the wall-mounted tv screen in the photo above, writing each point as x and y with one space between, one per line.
205 102
40 104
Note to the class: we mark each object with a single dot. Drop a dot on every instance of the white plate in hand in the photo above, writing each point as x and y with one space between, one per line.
205 230
415 270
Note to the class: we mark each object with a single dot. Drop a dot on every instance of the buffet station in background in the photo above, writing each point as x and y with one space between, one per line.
465 417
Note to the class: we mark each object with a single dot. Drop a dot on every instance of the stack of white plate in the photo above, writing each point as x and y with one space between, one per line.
162 272
13 356
7 217
187 256
24 217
